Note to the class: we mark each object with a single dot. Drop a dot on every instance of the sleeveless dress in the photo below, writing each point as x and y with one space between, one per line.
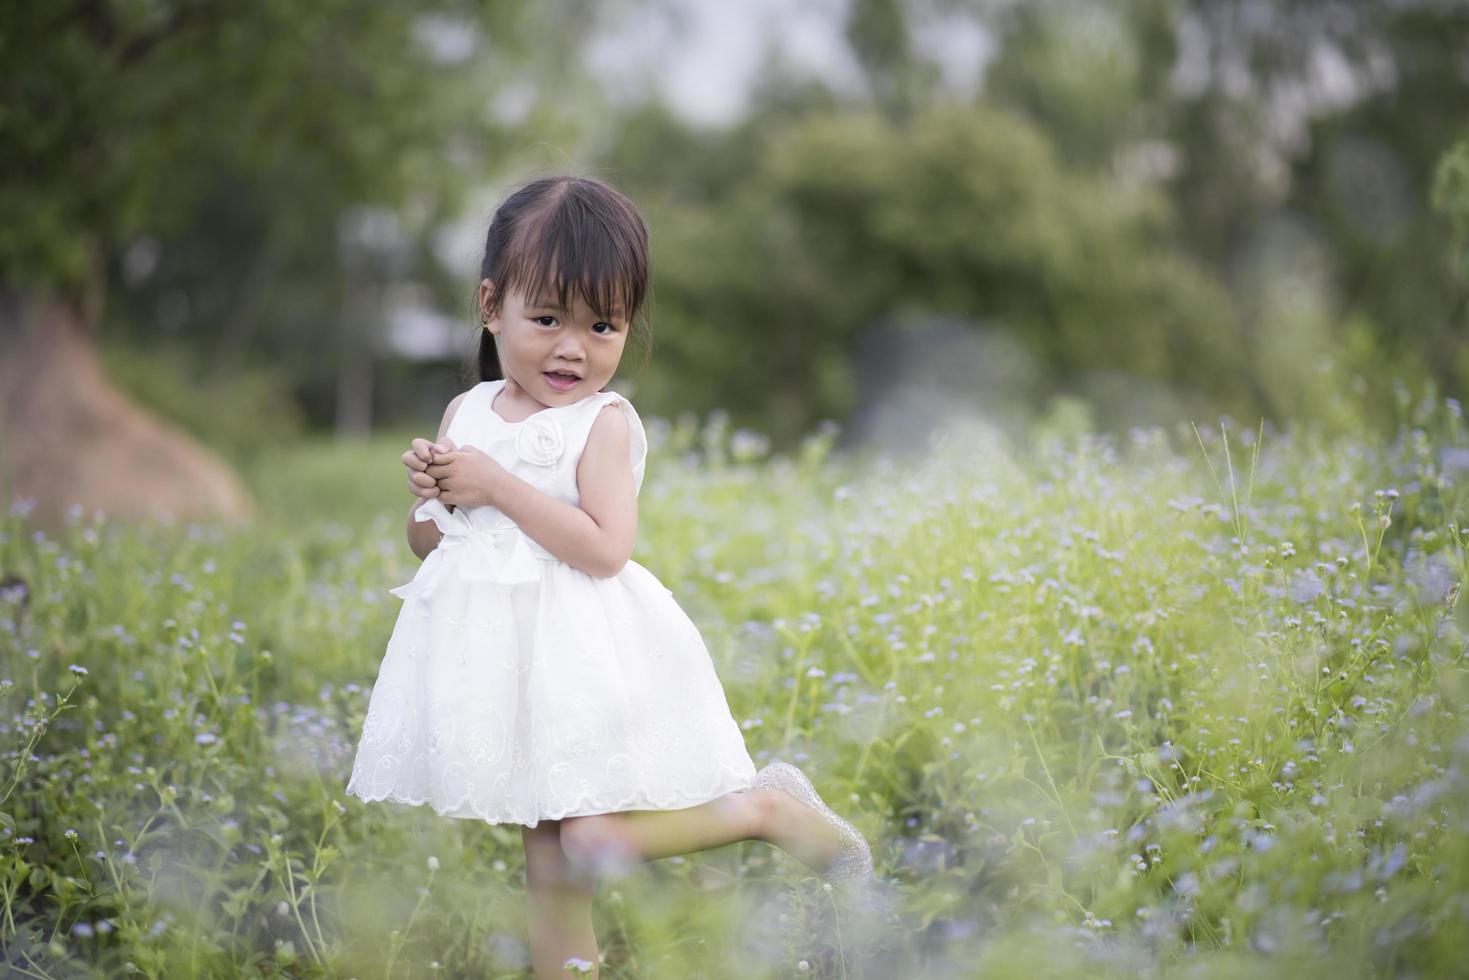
516 687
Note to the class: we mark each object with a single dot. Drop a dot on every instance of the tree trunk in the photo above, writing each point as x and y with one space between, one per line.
68 437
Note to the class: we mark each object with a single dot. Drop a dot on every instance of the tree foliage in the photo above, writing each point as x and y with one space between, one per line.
1219 196
1161 189
125 118
842 222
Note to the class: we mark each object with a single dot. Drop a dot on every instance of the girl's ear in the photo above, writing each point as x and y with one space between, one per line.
486 315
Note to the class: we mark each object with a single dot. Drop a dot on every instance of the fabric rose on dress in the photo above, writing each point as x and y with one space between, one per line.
539 441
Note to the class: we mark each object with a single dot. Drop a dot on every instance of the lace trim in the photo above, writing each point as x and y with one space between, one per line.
733 781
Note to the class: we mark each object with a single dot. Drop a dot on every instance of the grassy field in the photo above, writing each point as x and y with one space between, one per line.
1188 703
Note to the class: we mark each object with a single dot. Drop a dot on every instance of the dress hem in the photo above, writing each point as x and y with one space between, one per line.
636 801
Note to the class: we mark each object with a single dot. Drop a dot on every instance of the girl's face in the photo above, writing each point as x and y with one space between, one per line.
553 355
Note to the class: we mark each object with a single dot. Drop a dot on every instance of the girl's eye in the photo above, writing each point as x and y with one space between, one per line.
543 321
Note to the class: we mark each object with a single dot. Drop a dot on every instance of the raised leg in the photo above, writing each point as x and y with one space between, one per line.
610 843
558 905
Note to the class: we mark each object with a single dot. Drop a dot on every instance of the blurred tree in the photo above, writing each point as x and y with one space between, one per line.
1093 76
879 35
1367 183
123 120
842 222
201 156
1451 198
1297 142
1450 193
1328 116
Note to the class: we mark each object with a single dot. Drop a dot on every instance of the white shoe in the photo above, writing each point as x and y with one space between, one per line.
854 863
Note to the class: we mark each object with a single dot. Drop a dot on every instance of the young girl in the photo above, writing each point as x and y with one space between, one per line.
536 675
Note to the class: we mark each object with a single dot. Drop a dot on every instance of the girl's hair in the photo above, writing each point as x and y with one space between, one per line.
560 233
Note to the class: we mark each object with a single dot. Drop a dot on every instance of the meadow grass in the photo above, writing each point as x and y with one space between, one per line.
1187 703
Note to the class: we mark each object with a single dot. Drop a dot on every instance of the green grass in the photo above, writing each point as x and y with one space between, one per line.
1189 703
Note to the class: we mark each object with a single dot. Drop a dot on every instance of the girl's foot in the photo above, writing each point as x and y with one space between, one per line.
807 829
799 830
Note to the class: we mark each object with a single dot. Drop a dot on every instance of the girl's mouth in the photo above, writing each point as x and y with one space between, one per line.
559 381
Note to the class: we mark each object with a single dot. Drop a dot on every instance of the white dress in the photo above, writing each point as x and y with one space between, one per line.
516 687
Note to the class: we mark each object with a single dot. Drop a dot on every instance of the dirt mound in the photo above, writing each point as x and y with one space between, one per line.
68 436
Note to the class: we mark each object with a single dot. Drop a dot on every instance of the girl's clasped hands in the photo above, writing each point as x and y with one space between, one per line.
459 476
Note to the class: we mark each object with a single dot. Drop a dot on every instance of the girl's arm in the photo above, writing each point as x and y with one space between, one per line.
598 536
424 536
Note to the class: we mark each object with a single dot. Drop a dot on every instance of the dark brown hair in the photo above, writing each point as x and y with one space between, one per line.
560 233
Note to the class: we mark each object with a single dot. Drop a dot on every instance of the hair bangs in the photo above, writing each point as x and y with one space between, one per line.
579 244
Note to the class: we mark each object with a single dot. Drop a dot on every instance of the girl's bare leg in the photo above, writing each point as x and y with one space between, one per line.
613 842
558 905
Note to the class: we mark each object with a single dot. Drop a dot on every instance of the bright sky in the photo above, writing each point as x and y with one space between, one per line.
702 55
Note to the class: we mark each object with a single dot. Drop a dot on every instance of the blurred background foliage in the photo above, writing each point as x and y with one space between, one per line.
1164 208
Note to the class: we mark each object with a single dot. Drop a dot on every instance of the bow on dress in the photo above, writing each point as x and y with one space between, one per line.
503 553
